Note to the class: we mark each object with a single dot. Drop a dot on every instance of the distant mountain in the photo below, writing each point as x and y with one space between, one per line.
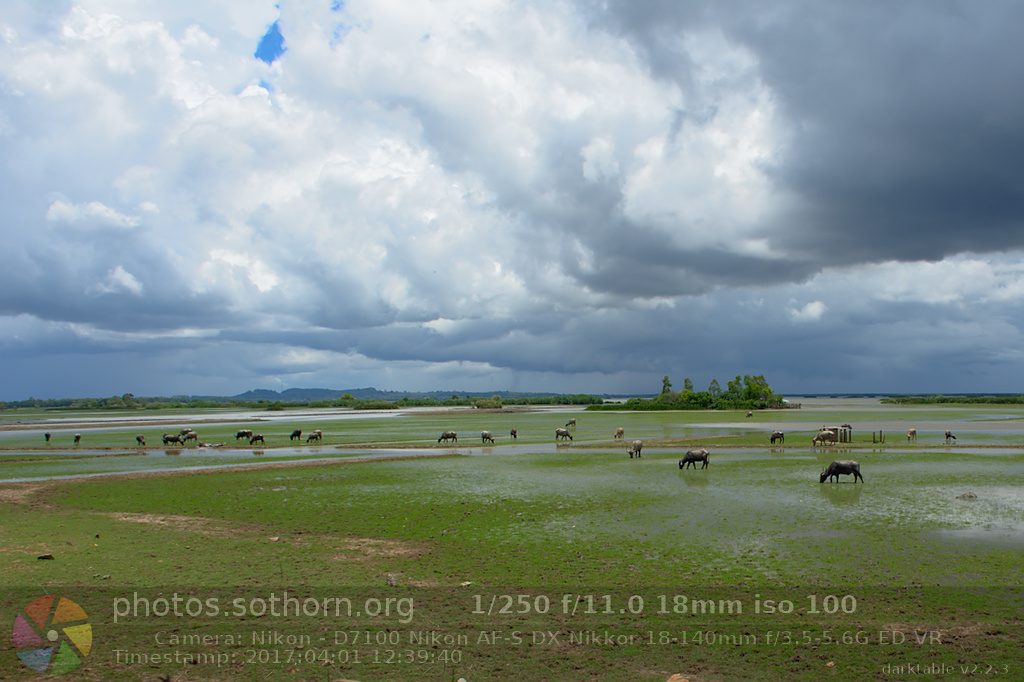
291 395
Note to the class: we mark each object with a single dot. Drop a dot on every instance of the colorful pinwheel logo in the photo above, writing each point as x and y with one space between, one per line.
51 635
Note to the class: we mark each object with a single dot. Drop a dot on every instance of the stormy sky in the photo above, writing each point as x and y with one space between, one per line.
482 195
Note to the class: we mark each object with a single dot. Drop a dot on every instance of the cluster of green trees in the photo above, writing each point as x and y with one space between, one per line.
747 392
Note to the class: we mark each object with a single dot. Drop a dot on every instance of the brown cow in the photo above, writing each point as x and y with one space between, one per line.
824 436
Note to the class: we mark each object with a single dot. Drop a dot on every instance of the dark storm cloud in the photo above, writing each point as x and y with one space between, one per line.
905 117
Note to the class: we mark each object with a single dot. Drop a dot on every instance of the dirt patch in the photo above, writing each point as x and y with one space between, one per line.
31 494
191 524
374 548
947 635
354 548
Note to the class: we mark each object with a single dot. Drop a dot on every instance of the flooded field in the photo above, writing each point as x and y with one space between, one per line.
932 538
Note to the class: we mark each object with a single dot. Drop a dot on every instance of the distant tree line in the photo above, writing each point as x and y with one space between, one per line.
747 392
1005 399
129 401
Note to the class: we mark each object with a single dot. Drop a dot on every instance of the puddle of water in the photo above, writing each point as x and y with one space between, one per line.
134 467
1010 536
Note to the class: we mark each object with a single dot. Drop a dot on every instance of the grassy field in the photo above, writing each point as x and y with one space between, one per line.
537 562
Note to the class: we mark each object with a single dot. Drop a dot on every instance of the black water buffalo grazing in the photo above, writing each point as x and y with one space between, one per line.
824 436
842 468
514 433
571 422
635 449
296 435
694 456
949 436
911 435
486 437
257 438
778 436
448 436
47 436
191 435
619 434
140 440
185 432
562 434
174 438
317 435
244 433
78 438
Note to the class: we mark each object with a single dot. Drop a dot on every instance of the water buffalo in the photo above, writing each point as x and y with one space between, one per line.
694 456
571 422
842 468
317 435
185 432
949 436
824 436
244 433
911 435
619 434
486 437
635 449
296 435
778 436
47 436
172 438
514 433
562 434
140 440
257 438
191 435
78 438
447 436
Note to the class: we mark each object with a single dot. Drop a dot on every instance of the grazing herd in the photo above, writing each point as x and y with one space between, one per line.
824 436
183 437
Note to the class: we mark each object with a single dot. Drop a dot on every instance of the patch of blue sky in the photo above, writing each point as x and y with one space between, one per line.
271 45
340 30
339 33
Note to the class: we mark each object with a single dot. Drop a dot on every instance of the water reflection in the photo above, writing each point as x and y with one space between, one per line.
841 494
695 481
